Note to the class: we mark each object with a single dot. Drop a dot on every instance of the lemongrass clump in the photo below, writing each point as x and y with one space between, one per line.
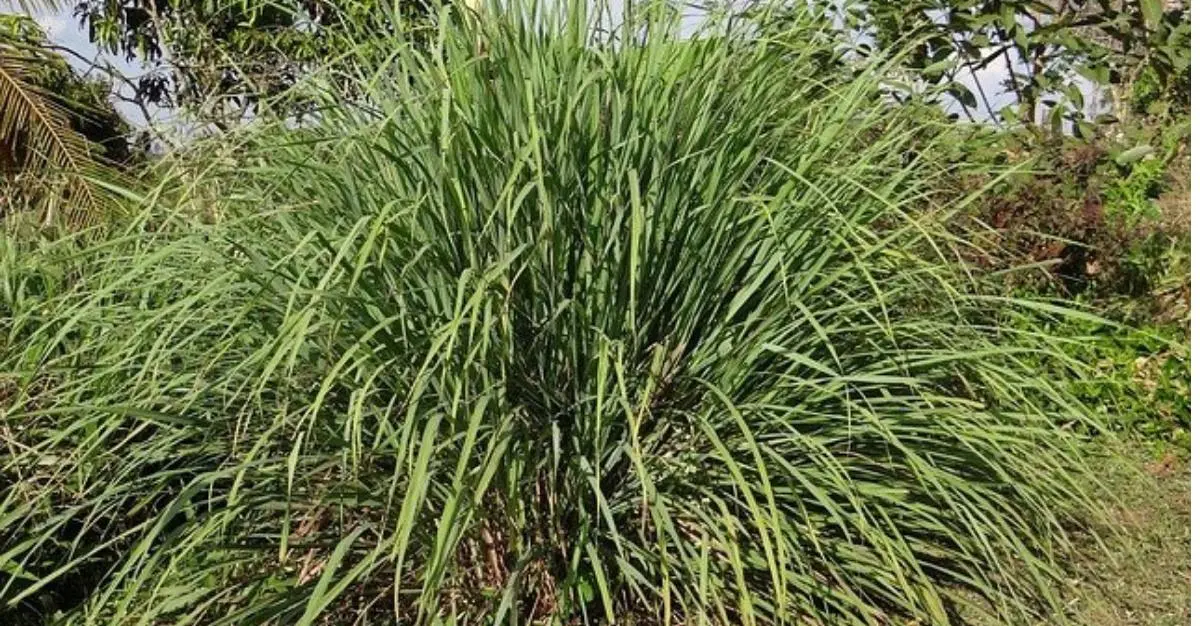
545 327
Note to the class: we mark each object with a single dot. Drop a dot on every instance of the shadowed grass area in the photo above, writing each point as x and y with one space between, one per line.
1141 575
1144 579
548 328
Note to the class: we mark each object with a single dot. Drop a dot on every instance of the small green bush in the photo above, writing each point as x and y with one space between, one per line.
1105 219
546 328
1141 385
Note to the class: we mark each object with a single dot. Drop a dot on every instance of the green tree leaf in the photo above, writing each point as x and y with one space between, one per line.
1152 11
962 94
1075 96
1135 153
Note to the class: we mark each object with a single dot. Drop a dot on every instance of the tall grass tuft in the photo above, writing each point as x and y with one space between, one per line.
548 326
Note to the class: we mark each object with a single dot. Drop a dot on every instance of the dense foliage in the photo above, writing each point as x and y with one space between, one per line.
1105 223
1051 52
545 327
221 60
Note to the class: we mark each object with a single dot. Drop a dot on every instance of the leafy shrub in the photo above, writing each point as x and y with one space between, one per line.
1103 218
546 328
1139 383
1106 223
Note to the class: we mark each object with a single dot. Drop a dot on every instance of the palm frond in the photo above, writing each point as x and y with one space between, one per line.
36 137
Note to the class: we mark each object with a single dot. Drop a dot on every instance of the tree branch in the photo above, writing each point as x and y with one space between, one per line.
117 75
